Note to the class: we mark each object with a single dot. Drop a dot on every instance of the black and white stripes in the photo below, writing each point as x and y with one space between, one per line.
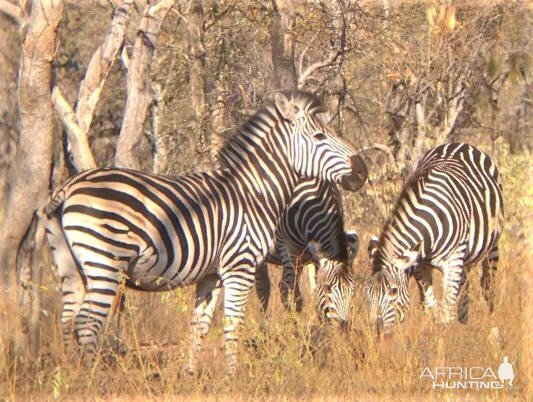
210 228
448 216
312 231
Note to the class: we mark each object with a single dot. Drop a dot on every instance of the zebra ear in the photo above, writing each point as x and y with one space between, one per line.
286 106
352 244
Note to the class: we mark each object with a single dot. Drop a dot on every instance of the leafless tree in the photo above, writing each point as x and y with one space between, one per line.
29 176
139 88
197 80
78 122
283 46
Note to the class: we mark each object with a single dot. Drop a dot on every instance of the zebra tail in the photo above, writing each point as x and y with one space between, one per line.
55 203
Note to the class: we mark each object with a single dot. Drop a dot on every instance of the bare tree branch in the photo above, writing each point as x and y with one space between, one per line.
13 11
139 96
304 53
78 123
82 157
307 73
383 148
100 64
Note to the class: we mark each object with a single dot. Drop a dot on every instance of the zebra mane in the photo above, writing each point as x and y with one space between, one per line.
237 142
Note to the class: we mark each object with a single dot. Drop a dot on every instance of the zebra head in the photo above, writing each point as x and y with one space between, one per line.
335 286
315 149
386 291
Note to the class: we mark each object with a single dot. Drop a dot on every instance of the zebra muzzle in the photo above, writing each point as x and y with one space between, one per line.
355 180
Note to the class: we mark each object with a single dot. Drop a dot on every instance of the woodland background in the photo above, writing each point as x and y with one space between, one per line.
158 85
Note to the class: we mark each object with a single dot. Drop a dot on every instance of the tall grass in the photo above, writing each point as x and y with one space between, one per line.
292 357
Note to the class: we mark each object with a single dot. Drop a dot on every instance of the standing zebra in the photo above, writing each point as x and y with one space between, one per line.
211 228
449 216
312 230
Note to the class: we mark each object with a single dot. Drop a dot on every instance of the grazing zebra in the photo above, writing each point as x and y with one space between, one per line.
312 221
427 298
211 229
449 216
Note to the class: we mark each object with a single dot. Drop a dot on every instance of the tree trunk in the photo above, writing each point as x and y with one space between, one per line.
219 119
196 51
139 96
8 102
283 45
29 176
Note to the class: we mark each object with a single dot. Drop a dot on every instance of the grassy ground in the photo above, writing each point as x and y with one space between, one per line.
292 358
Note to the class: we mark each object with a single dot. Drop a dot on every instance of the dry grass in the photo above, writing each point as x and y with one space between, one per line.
291 358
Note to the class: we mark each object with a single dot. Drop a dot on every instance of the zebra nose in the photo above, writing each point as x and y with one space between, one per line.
355 180
330 313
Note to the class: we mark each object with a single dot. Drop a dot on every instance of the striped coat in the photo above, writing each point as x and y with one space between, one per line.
211 229
449 216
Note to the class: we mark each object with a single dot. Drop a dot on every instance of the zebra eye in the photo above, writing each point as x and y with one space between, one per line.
393 292
327 288
320 136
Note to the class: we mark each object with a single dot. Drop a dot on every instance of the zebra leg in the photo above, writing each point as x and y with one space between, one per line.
236 290
73 296
207 293
424 280
72 285
102 285
262 286
454 276
297 293
291 296
462 305
490 265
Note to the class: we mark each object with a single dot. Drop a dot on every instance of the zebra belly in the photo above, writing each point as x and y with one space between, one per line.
144 276
108 248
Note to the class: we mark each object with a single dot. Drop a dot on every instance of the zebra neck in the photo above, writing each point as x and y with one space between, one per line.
394 242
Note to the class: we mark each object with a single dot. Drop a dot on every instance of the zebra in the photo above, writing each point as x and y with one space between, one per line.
312 230
108 226
448 216
420 272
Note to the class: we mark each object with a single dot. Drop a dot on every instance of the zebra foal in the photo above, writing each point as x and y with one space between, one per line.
449 216
210 229
312 231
